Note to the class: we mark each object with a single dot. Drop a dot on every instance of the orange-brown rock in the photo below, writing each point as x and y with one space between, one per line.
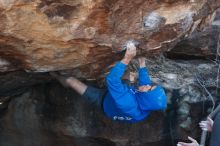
45 35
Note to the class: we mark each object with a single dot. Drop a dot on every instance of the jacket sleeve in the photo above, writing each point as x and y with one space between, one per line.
114 83
144 78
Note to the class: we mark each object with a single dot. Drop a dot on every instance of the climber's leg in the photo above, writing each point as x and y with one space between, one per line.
91 94
76 85
95 96
71 82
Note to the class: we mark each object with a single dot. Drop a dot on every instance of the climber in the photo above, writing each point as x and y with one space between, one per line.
209 126
121 101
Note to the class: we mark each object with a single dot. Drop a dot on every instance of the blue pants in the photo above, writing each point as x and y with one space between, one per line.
95 96
215 136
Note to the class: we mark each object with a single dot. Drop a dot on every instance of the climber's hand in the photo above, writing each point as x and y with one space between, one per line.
130 53
193 143
207 125
141 61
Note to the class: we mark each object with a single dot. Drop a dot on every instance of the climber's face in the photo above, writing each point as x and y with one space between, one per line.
146 88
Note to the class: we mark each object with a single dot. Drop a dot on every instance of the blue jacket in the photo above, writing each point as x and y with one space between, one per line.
121 101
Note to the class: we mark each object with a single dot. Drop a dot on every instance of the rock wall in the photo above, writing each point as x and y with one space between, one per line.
45 35
84 38
48 114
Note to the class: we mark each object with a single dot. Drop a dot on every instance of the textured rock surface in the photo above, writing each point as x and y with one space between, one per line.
83 36
45 35
50 115
199 45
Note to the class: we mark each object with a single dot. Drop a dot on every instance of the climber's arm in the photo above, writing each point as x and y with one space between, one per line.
115 86
144 78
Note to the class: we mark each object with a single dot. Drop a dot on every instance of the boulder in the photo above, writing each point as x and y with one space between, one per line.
84 38
45 35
